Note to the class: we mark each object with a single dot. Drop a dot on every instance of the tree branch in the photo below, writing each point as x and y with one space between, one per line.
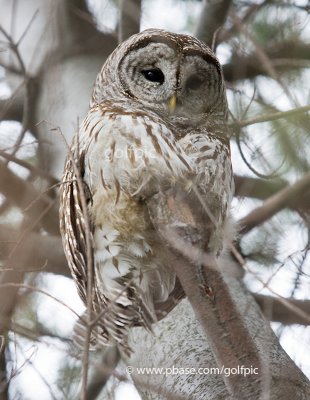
36 252
223 325
262 189
248 67
224 36
274 204
23 195
12 108
80 25
129 21
27 83
246 186
270 117
204 285
213 16
178 341
103 372
32 168
276 310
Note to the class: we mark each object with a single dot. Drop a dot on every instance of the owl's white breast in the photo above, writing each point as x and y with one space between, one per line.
131 156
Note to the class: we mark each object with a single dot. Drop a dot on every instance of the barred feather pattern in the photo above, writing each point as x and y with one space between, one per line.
127 151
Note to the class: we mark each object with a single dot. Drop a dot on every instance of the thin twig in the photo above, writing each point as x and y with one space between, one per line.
27 360
27 82
261 55
36 289
253 8
2 342
22 36
30 167
14 47
270 117
271 175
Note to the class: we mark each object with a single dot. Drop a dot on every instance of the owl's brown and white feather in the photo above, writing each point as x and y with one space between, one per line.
133 148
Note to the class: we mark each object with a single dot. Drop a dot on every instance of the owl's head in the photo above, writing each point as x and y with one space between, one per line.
174 75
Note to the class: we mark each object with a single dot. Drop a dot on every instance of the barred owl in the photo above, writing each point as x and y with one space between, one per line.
153 151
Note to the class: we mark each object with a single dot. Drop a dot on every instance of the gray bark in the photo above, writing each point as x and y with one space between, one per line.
179 341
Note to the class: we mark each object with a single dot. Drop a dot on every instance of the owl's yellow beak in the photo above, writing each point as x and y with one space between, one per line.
172 103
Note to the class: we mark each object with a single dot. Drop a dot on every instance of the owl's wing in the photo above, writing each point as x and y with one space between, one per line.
72 224
73 231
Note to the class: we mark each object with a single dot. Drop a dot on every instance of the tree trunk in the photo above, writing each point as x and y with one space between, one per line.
178 341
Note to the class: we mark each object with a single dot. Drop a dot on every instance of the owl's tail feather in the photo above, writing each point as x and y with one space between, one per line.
112 327
80 332
119 319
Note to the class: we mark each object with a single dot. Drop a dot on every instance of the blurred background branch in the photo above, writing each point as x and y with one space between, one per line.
212 18
129 20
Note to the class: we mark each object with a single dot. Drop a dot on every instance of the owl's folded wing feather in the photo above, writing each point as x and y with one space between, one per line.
73 227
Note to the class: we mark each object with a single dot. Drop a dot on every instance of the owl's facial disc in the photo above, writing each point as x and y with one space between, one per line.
169 82
147 73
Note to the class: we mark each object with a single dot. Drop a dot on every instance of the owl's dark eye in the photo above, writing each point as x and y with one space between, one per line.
194 82
154 75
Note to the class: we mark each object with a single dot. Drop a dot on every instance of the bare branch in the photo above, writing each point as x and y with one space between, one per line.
262 56
270 117
12 108
247 67
130 15
103 372
225 330
38 290
14 47
287 62
274 204
33 169
246 186
24 195
78 18
36 252
277 310
27 83
35 333
264 188
213 16
206 289
251 10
